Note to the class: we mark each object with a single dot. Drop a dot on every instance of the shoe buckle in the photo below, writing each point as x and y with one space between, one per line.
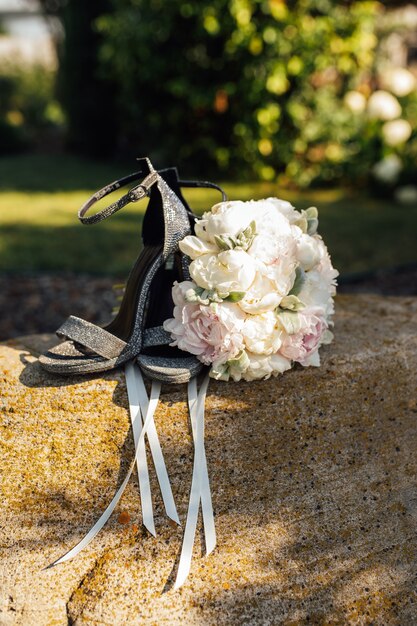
137 193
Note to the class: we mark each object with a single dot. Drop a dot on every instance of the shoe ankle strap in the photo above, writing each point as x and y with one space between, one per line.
202 184
133 195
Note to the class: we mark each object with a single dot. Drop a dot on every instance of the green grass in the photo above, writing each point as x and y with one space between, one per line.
40 196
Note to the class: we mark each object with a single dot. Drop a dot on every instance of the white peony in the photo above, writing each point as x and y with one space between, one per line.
265 249
263 367
319 285
195 247
231 218
261 296
226 272
225 218
308 251
316 293
269 217
261 333
396 132
382 105
325 267
282 273
268 248
286 209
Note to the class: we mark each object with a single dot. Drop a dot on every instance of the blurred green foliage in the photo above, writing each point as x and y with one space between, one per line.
28 108
244 86
275 90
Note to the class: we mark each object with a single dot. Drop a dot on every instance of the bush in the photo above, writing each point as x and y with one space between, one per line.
245 86
27 106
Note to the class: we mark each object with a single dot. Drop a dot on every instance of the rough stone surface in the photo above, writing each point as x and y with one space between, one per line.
313 478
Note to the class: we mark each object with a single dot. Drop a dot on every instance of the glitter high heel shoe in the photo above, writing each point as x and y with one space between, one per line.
147 299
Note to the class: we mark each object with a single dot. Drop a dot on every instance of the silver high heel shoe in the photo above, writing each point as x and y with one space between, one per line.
147 300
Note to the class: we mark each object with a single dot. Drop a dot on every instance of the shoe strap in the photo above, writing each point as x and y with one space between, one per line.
133 195
90 336
202 184
156 336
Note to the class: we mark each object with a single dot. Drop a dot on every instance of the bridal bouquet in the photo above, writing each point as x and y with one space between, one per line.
261 294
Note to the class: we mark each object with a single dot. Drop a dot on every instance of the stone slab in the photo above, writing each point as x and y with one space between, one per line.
313 477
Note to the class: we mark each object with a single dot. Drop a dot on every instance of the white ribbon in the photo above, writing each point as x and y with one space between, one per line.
142 464
205 493
200 486
138 406
152 404
143 409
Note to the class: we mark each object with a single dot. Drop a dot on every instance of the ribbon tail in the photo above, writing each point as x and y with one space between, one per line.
196 404
137 408
206 502
153 403
157 455
205 492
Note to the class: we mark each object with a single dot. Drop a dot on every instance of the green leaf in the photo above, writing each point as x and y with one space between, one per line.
214 296
245 237
222 243
207 296
312 226
300 278
290 321
240 362
249 231
292 303
220 372
235 296
302 223
197 294
311 213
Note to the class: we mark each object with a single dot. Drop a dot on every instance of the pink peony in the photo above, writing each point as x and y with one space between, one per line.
211 332
302 346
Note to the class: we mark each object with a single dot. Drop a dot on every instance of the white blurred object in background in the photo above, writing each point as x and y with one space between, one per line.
406 194
355 101
399 80
382 105
28 39
396 132
388 169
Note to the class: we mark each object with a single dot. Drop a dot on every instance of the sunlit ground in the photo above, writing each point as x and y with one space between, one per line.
40 196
